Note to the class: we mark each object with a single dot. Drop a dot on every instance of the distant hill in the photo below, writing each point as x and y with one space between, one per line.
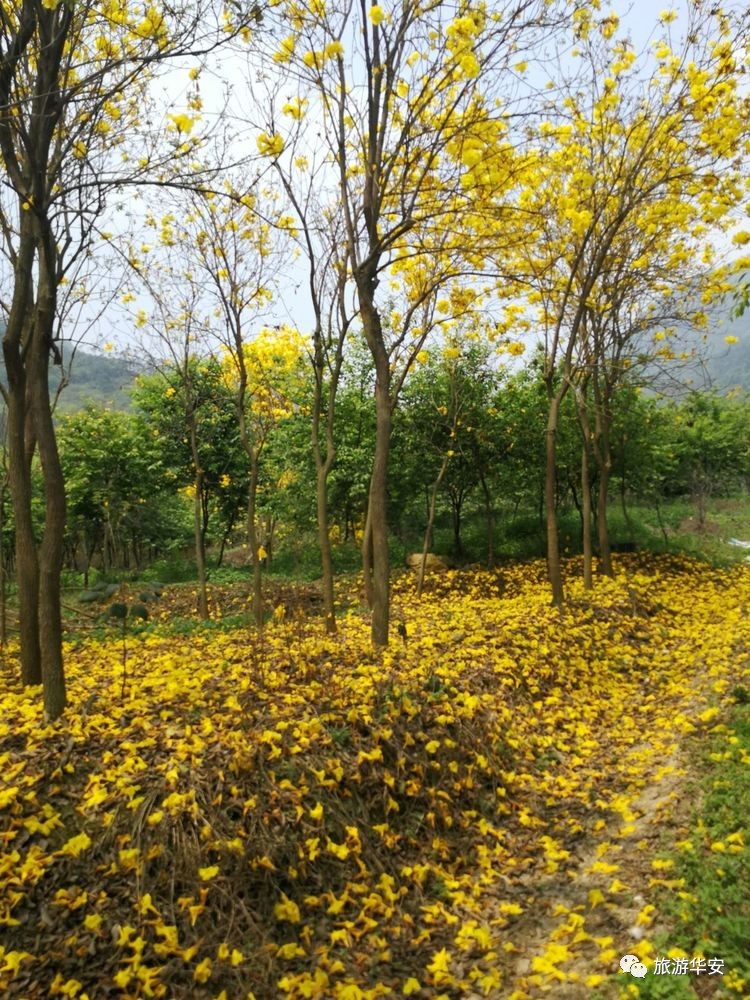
718 365
727 365
101 379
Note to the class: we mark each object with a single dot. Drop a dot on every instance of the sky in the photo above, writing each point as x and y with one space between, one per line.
221 91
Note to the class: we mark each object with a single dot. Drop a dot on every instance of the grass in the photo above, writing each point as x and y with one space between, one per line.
726 518
518 537
704 898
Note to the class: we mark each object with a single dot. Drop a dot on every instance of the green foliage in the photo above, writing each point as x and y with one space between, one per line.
710 915
119 492
168 400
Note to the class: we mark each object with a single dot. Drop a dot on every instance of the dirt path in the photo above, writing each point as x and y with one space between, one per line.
580 920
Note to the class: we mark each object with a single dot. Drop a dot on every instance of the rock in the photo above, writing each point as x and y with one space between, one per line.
432 563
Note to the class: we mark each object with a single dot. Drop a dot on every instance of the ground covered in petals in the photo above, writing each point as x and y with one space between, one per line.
475 812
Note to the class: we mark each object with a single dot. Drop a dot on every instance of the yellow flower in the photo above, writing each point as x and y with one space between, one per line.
377 14
182 123
295 109
333 49
287 909
203 971
269 145
286 50
439 966
76 845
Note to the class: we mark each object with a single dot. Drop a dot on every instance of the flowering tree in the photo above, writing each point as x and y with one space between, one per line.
636 166
396 96
73 86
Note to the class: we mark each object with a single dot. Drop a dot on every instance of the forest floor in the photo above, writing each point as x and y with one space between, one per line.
502 804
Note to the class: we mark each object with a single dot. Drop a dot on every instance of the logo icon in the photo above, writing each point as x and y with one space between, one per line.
633 965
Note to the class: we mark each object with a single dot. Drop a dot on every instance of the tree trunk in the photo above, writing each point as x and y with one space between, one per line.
324 541
378 509
624 508
490 521
222 547
605 553
456 508
252 541
21 445
583 421
200 538
430 522
603 456
367 280
323 466
52 548
367 558
588 581
554 567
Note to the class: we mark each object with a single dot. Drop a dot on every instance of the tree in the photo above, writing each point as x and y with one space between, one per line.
320 239
118 485
628 150
713 447
265 377
399 96
189 405
446 433
73 83
631 332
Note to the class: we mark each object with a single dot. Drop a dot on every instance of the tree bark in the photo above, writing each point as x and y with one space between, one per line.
324 541
588 581
367 557
323 466
200 538
603 453
252 541
490 521
52 547
378 508
456 510
554 567
21 444
583 421
430 522
605 552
